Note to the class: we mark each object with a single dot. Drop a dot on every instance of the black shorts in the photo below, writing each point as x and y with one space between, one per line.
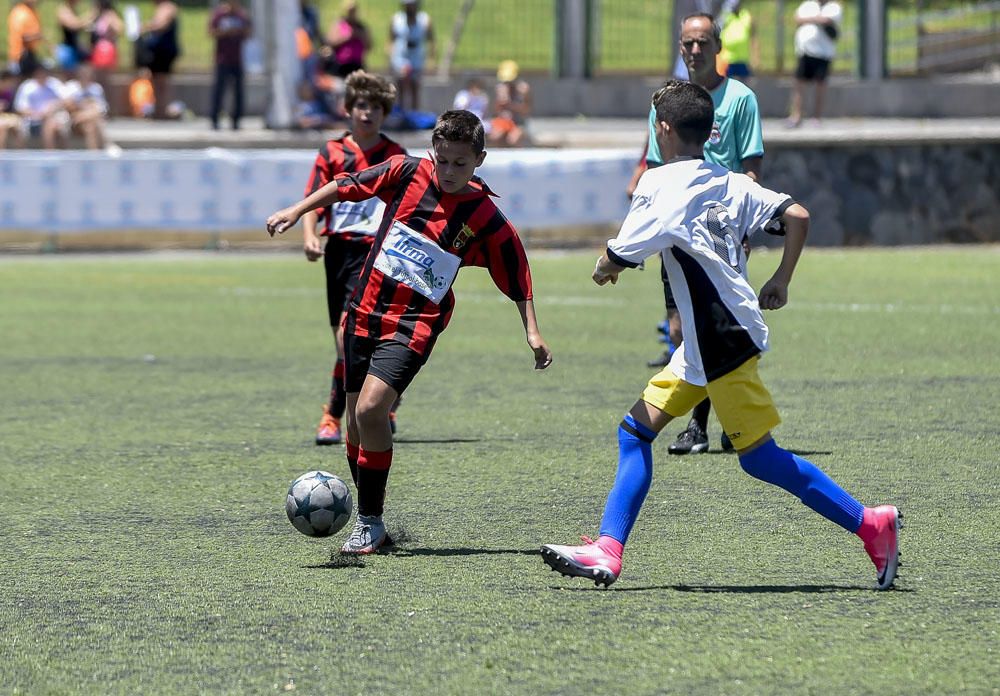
668 294
390 361
343 260
812 69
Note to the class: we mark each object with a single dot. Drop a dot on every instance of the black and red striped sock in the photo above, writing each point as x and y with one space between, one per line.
353 451
373 475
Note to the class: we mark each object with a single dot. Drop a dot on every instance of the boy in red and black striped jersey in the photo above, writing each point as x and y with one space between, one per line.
439 218
349 227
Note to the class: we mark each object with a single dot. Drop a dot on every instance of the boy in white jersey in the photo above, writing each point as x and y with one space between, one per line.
694 214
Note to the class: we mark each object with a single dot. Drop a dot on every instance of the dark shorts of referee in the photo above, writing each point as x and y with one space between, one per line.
668 294
812 69
343 260
390 361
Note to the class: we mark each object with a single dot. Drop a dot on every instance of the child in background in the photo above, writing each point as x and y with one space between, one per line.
473 98
349 228
310 112
10 122
141 99
439 217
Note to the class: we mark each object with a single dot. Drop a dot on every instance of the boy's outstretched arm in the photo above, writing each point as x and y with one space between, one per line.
543 356
606 270
285 219
774 293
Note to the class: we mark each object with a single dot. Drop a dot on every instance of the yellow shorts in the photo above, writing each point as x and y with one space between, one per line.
742 402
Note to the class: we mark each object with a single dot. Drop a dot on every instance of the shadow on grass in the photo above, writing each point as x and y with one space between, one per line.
431 441
737 589
405 553
722 453
339 561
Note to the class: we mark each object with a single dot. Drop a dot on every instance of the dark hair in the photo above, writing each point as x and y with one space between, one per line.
687 108
460 126
373 88
7 75
716 31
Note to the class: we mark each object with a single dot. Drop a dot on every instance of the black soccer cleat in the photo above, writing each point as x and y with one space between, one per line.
692 440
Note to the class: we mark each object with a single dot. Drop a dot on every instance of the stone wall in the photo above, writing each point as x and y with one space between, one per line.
892 195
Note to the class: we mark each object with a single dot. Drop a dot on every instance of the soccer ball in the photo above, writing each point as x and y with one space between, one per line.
318 504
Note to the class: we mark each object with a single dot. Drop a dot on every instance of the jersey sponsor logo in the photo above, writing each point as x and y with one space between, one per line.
417 262
716 136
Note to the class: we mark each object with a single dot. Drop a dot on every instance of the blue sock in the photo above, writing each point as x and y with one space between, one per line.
635 473
802 479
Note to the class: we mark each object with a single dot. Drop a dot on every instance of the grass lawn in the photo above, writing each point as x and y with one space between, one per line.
155 407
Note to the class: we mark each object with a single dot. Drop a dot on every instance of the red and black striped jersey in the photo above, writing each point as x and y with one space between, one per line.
404 293
343 155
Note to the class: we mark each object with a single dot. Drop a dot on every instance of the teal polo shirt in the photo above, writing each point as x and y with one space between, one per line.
736 133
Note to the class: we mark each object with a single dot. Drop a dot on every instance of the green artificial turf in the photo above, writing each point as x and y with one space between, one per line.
154 408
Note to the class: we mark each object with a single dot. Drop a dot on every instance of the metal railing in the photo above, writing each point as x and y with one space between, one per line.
625 36
638 40
922 40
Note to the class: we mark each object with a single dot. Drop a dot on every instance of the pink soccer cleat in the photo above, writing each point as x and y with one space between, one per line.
600 560
880 531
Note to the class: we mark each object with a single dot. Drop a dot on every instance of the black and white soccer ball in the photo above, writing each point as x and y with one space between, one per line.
318 504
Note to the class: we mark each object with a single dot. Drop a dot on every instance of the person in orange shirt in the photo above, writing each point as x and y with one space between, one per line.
24 37
141 99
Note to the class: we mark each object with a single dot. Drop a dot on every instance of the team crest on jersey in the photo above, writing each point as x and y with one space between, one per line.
464 235
716 137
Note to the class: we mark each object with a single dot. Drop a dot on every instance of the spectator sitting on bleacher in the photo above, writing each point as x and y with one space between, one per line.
511 107
141 99
88 107
311 111
10 122
40 102
474 98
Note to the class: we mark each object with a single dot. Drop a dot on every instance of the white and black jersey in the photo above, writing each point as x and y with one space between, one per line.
694 213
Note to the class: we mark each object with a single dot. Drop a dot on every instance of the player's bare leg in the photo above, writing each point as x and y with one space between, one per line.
330 430
795 112
368 420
